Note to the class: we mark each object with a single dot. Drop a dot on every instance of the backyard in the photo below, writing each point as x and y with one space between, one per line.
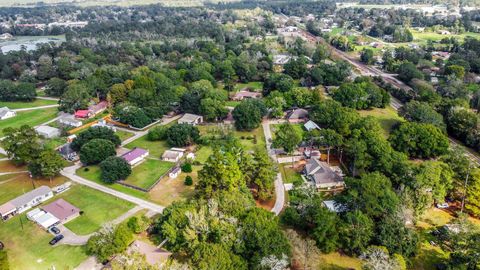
14 185
31 118
289 174
98 208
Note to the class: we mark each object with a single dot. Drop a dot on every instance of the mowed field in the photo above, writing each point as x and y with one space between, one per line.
31 118
21 105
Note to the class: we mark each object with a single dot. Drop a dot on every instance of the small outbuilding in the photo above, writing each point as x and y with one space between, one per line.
310 125
172 155
174 173
191 119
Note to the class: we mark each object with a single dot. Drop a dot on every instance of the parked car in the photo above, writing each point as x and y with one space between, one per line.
442 205
54 230
56 239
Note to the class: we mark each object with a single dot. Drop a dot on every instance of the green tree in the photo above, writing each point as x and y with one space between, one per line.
96 151
356 231
372 194
95 133
422 112
138 224
287 137
21 144
367 56
213 109
329 138
419 140
132 115
220 172
326 232
455 70
392 233
157 133
296 67
275 102
408 71
48 164
55 87
182 135
188 180
114 169
472 202
45 67
264 175
248 114
277 81
75 98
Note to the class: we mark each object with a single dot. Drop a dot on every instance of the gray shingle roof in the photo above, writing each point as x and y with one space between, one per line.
29 196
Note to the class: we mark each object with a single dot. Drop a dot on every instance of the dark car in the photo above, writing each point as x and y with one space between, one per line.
55 230
56 239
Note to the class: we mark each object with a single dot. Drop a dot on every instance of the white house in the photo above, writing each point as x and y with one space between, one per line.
135 156
6 113
25 202
48 132
174 173
69 120
191 119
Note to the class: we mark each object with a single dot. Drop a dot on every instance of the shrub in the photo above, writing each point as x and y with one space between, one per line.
187 167
114 169
188 180
157 133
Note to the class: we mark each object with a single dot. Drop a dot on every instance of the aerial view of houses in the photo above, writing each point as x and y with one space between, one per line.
239 135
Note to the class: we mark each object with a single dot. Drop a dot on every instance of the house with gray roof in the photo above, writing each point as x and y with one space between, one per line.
310 125
69 120
48 132
322 175
6 113
297 115
25 202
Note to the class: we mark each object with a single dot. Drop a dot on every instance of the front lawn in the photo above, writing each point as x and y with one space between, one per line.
251 139
21 105
253 85
98 208
31 118
148 172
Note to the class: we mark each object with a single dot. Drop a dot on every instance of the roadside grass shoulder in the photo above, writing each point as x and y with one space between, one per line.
21 105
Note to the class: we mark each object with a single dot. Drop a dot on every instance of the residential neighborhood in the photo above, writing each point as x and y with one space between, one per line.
239 135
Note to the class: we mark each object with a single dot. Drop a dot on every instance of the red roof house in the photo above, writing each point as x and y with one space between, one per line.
83 114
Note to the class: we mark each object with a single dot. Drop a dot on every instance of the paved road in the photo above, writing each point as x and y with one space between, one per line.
35 108
49 98
69 172
279 188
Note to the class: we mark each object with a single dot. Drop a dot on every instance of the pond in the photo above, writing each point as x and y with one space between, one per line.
30 42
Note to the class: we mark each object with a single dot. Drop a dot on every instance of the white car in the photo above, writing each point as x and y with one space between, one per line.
442 205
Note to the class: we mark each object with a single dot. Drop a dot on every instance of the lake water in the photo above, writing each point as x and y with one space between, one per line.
30 42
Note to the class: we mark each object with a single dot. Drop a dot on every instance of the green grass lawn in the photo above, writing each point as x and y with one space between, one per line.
147 173
98 208
28 248
253 85
123 134
247 138
289 175
156 148
14 185
31 118
434 36
21 105
298 127
336 261
387 118
203 153
232 103
56 142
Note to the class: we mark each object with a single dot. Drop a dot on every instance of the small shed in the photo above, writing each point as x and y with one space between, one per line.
310 125
172 156
174 173
191 119
6 113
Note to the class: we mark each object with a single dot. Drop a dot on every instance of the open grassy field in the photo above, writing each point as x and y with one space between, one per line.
98 208
247 138
203 153
28 248
387 118
170 190
336 261
21 105
8 166
433 36
147 173
31 118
